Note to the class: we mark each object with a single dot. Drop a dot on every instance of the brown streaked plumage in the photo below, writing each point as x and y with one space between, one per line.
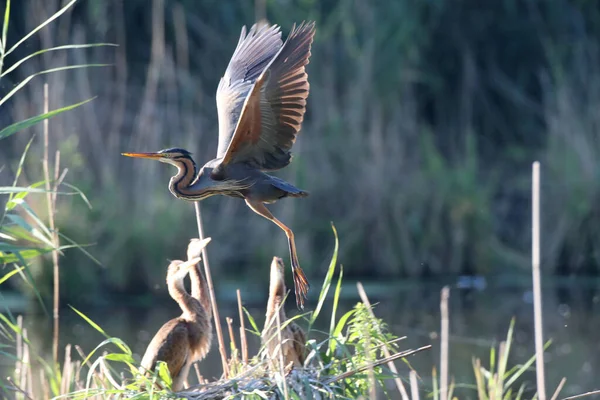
185 339
261 102
293 339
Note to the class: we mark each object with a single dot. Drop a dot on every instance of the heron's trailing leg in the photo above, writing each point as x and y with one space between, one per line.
301 284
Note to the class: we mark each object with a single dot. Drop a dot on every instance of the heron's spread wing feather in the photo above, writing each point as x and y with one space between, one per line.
273 111
253 53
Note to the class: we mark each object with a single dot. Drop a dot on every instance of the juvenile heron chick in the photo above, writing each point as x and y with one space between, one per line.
261 102
185 339
293 339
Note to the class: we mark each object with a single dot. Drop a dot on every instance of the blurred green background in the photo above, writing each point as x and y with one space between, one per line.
423 120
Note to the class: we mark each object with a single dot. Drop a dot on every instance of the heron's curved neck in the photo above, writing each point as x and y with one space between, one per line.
186 174
189 305
200 289
276 295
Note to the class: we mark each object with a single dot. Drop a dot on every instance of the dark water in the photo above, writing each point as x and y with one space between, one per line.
479 319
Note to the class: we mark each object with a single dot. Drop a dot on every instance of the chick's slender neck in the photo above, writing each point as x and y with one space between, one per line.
188 305
276 294
200 289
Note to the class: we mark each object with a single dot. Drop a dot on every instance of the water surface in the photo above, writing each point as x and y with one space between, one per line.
479 319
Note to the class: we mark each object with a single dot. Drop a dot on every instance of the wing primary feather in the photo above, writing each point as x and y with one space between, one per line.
273 109
254 51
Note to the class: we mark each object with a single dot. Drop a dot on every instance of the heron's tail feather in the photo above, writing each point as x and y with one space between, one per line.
301 286
300 193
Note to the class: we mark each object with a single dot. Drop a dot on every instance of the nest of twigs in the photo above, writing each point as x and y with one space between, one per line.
309 382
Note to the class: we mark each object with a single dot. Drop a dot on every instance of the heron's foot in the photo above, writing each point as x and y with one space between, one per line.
301 285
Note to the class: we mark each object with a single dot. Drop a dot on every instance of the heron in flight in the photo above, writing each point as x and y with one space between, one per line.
185 339
261 101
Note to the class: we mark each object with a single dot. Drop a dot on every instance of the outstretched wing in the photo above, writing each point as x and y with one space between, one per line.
272 113
253 53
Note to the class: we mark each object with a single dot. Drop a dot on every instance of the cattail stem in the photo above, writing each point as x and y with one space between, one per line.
51 203
414 386
211 289
537 285
243 340
445 333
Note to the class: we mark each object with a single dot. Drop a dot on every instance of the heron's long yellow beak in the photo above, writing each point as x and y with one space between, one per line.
152 156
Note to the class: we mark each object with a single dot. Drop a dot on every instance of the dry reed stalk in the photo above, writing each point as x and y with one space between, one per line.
28 387
181 37
393 357
83 357
445 295
579 396
211 289
157 56
19 363
243 340
414 386
198 374
108 375
22 377
231 334
558 389
370 371
386 351
537 285
281 366
77 369
50 200
67 370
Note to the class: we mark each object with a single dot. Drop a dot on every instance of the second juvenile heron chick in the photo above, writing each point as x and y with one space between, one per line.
185 339
293 339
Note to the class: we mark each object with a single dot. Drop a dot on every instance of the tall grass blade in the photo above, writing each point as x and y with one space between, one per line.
336 298
4 31
40 52
80 247
328 279
40 26
19 126
9 274
47 71
28 278
20 166
255 330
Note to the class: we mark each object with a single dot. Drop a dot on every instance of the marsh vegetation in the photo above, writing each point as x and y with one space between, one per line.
422 121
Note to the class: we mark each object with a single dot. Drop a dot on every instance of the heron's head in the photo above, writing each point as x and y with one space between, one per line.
172 156
178 270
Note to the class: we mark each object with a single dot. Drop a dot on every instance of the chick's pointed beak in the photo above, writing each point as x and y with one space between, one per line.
186 266
152 156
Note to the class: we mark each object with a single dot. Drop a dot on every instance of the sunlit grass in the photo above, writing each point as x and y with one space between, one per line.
335 367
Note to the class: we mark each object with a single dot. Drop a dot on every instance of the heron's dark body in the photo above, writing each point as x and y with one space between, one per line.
260 185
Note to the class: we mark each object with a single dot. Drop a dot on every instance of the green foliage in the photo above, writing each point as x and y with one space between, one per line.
500 381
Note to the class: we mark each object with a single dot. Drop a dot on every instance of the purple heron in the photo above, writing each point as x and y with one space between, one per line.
293 339
185 339
261 101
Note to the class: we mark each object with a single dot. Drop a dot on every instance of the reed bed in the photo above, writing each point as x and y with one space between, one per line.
356 356
336 366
